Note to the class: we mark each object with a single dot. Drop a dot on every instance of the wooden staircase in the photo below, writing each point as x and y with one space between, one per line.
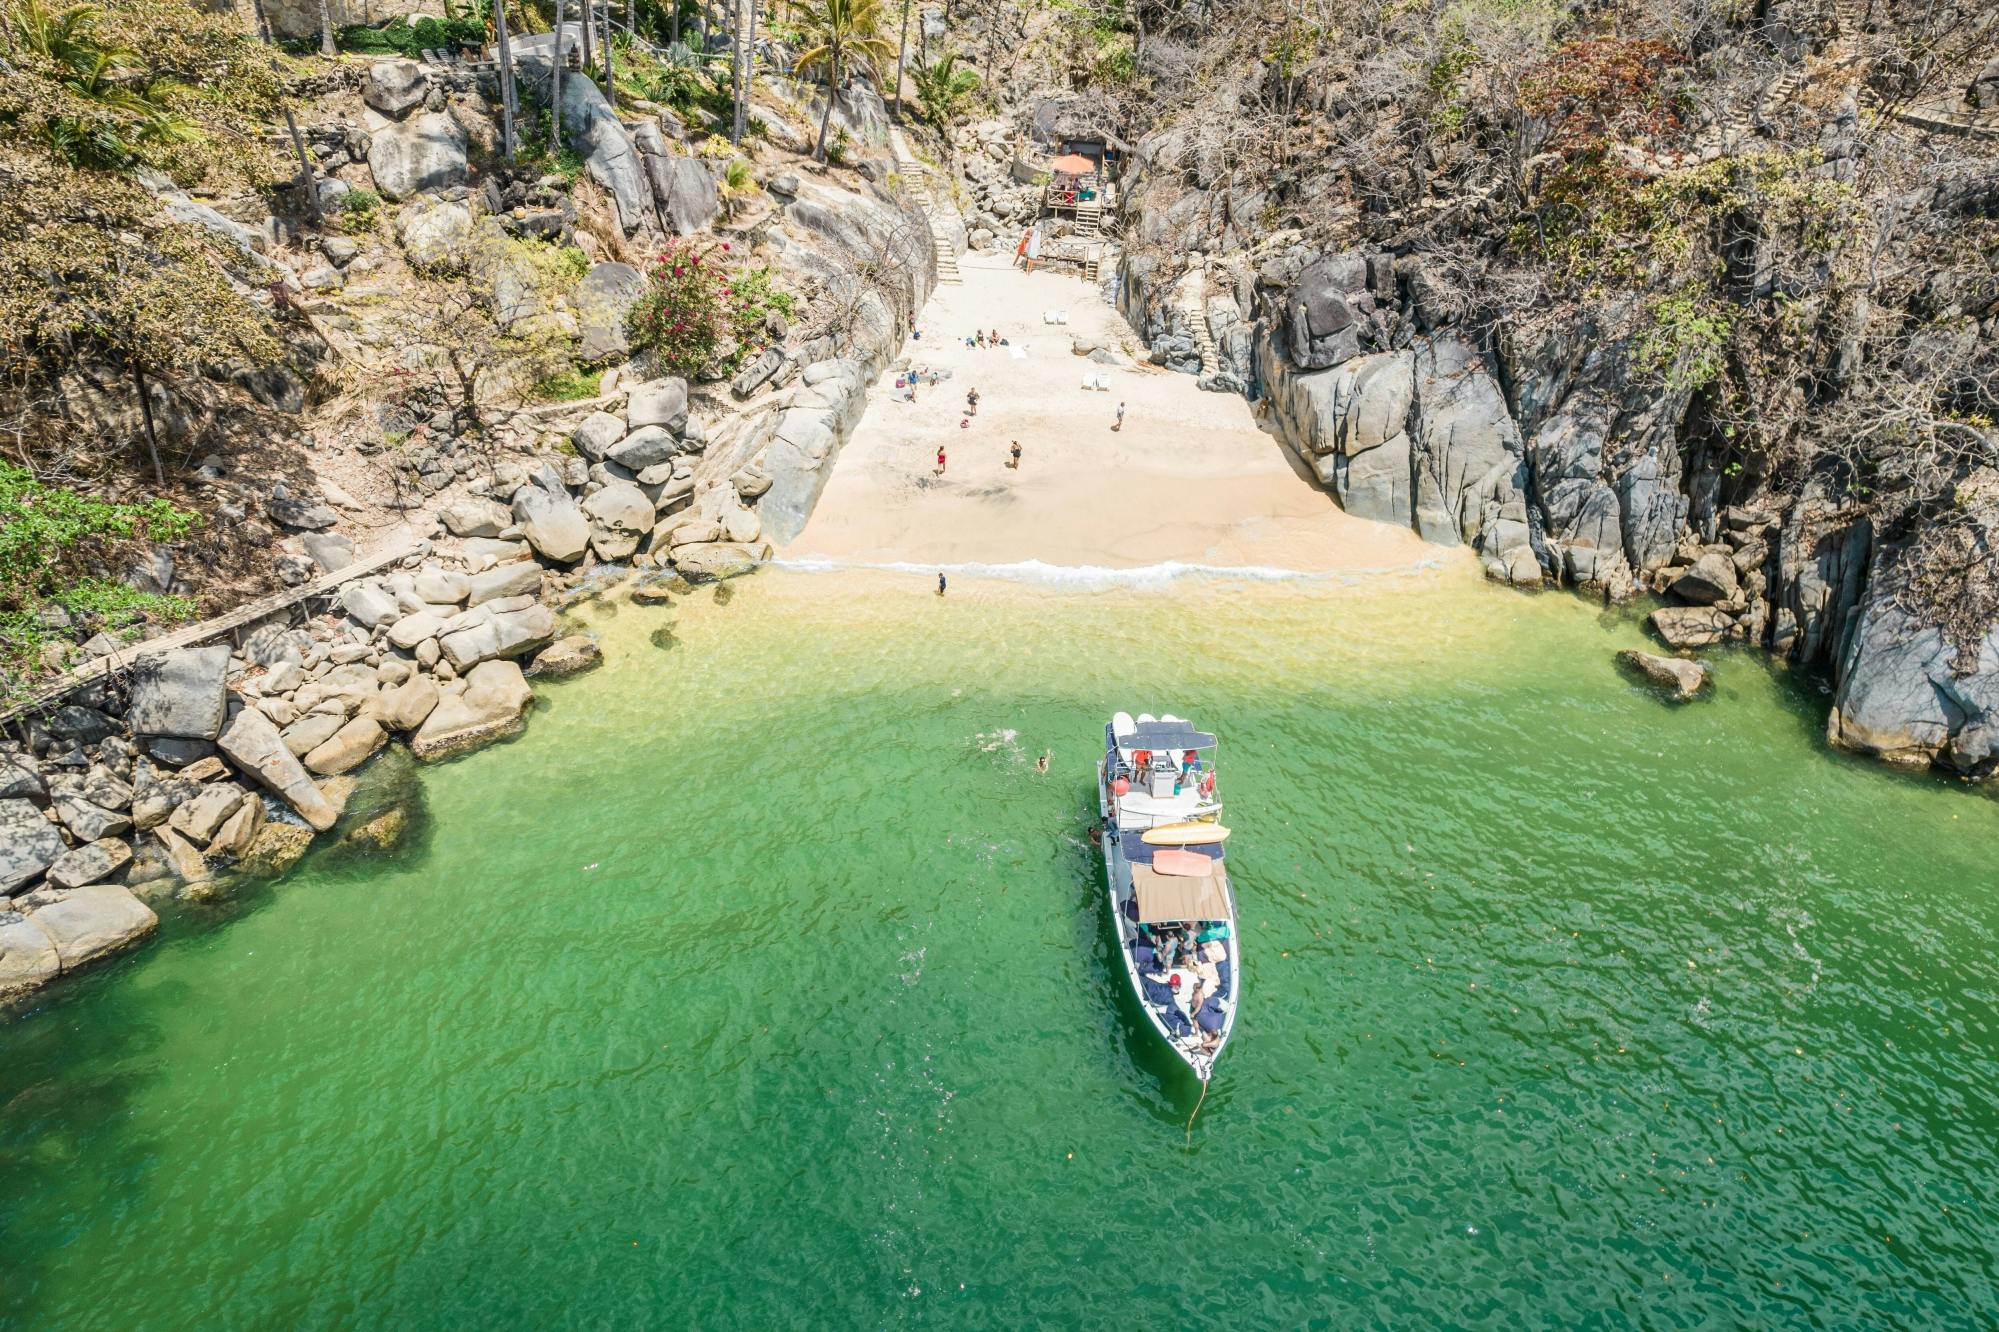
916 179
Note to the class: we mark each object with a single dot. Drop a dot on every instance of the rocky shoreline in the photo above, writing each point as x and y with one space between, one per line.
206 764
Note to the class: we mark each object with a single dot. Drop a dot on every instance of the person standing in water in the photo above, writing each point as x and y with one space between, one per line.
1120 417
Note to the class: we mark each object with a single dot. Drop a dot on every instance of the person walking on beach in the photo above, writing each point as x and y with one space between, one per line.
940 583
940 460
1120 417
972 403
1014 461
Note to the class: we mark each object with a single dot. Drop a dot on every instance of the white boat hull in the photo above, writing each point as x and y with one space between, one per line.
1118 887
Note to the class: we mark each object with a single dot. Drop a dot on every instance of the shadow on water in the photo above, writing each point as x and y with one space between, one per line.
62 1121
1175 1087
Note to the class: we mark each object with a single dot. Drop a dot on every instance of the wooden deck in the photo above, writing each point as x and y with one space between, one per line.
249 613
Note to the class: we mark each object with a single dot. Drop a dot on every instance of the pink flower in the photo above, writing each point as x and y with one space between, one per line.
725 247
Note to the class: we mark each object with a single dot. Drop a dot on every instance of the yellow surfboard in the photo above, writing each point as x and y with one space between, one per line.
1185 834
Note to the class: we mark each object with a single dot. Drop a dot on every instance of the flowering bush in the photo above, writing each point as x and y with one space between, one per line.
697 315
684 314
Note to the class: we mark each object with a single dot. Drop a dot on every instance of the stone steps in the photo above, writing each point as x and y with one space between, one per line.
1196 310
916 179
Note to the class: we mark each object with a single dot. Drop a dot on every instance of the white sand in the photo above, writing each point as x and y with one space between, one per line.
1190 477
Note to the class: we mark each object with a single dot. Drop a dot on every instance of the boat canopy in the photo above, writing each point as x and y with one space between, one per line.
1164 735
1165 899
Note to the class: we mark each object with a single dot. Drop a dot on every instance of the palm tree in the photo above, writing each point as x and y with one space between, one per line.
942 88
841 34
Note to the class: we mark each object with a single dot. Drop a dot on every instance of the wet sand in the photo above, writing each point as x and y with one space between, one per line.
1189 479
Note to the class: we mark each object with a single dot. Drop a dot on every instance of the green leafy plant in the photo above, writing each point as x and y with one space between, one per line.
1685 342
358 211
113 106
943 88
697 316
411 38
840 35
570 385
47 533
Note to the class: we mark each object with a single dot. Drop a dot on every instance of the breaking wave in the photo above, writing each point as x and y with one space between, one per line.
1091 576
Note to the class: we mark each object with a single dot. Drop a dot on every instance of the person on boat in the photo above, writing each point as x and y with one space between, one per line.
1216 952
1170 946
1210 1019
1161 991
1143 956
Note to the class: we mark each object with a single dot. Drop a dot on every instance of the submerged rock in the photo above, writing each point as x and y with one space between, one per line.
565 657
274 850
1680 677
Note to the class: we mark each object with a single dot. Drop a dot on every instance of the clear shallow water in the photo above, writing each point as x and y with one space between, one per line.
764 983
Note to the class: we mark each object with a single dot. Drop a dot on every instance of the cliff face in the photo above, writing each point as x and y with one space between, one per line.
1716 430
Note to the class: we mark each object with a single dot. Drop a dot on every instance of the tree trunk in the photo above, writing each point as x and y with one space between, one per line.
152 436
589 42
676 22
304 171
555 83
832 90
326 47
901 50
506 54
610 83
747 77
263 28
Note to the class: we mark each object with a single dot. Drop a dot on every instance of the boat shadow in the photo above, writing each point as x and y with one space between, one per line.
1177 1090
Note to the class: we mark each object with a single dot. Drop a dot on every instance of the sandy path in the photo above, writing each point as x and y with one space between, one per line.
1190 478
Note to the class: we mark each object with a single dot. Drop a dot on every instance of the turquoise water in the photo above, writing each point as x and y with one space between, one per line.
763 983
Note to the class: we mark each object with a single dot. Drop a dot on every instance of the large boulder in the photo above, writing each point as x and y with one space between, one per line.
816 421
491 707
88 923
520 578
29 844
602 300
657 402
27 956
474 517
596 434
1908 695
620 516
1710 579
553 523
252 742
183 693
688 200
565 657
93 862
648 446
1679 677
594 132
370 604
492 635
1683 627
394 87
436 236
425 152
348 748
405 707
1323 312
718 559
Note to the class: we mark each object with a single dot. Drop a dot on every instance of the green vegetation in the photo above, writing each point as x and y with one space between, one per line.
410 39
944 88
1685 341
571 385
51 541
358 211
698 317
838 36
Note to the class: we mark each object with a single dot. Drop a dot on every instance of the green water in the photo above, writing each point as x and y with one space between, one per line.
765 984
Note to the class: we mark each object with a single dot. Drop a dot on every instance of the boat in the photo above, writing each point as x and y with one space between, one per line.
1171 903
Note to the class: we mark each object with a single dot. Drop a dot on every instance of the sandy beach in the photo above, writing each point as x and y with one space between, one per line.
1190 477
